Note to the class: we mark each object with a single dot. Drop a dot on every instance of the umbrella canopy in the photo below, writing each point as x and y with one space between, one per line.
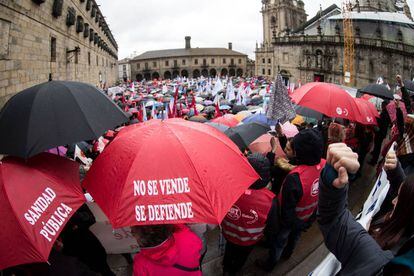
280 107
237 108
243 135
198 119
55 113
307 112
262 145
37 199
259 118
378 90
327 99
289 130
192 174
219 127
227 120
367 111
409 85
242 114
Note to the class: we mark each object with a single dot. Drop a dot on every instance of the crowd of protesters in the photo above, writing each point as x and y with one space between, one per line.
307 183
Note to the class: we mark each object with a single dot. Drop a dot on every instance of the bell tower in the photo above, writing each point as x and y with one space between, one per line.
280 17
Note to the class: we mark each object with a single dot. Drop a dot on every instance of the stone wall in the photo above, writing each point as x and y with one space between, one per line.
307 58
26 32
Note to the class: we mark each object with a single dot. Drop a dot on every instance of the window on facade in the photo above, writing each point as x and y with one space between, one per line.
232 61
76 57
263 72
269 72
124 67
212 61
175 63
89 58
138 65
269 61
263 61
240 61
204 61
224 61
196 61
183 61
146 65
154 64
167 63
53 49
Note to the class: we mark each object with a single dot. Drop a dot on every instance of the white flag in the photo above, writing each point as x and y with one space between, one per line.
230 95
217 87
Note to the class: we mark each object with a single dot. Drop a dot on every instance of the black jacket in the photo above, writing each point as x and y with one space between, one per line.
357 251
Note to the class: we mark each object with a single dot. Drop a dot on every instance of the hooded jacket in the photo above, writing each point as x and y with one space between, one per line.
178 255
308 146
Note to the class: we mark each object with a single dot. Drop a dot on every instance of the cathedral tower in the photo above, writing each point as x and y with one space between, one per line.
280 17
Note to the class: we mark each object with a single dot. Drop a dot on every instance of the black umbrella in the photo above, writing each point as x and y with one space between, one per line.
409 85
378 90
307 112
219 127
237 108
244 135
55 113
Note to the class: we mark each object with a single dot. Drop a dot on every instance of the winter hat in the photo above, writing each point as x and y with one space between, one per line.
308 145
262 166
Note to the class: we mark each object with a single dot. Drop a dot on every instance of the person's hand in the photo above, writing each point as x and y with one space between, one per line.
344 161
391 160
399 80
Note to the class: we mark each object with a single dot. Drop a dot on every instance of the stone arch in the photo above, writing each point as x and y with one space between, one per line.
175 74
184 73
147 76
139 77
224 72
239 72
167 75
232 72
285 76
155 75
204 73
196 73
213 72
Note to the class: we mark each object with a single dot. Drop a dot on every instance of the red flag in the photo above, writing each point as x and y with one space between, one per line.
174 111
193 104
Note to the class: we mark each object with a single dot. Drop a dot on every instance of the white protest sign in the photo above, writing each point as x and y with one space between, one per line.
115 241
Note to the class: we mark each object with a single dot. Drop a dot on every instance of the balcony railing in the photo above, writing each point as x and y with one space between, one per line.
339 40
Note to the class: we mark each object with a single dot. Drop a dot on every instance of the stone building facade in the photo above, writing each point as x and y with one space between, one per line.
384 46
54 39
189 62
124 69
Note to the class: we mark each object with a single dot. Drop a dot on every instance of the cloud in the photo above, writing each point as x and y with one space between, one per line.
144 25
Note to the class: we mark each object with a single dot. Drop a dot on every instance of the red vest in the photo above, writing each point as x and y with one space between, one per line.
246 220
309 177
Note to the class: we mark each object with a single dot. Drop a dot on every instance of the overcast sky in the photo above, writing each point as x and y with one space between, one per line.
143 25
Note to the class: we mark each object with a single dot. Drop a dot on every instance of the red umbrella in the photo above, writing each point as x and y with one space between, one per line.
228 120
37 198
171 171
328 99
262 145
367 111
